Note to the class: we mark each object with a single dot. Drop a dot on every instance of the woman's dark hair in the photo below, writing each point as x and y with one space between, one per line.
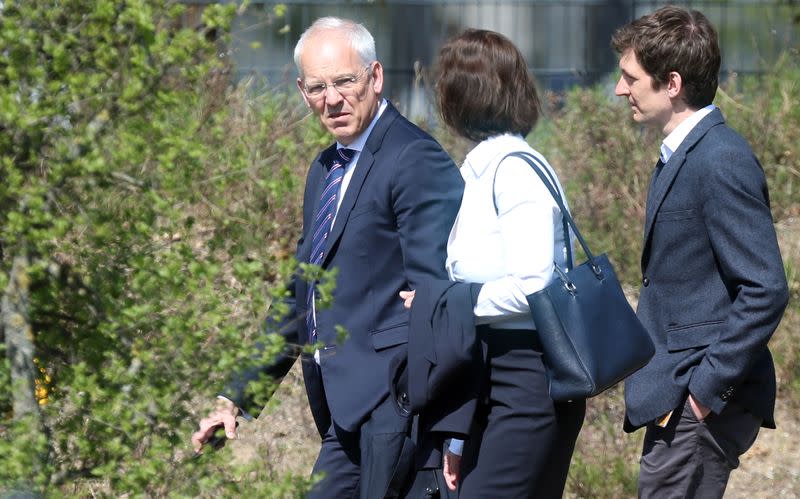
675 39
484 86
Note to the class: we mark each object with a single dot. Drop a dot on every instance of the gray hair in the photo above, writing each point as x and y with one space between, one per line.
360 38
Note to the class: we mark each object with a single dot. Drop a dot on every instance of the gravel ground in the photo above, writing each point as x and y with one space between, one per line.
771 468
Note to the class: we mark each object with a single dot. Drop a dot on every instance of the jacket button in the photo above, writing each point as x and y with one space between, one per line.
646 281
402 404
727 394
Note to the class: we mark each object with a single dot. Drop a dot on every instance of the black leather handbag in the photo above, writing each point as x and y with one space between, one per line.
591 338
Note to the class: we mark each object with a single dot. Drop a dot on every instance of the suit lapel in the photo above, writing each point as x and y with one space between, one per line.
651 190
315 184
365 162
661 186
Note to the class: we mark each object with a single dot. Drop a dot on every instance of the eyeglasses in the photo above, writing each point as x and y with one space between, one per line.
345 85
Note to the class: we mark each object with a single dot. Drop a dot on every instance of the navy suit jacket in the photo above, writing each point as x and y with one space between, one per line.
441 378
390 234
713 288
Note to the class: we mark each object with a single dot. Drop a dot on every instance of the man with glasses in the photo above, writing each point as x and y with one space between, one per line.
378 207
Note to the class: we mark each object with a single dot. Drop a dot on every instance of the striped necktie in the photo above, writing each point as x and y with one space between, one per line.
326 211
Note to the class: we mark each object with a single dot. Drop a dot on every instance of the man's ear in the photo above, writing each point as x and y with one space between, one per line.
377 77
674 84
302 92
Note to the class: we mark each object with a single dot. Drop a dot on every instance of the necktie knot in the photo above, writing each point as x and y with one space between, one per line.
342 157
658 168
346 154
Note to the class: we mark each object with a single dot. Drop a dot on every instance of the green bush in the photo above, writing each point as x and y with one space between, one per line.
764 110
154 209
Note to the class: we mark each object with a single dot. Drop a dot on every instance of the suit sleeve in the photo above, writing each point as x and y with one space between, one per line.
426 195
287 327
742 237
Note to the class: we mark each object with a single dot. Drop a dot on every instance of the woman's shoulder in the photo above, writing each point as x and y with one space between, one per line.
515 179
515 165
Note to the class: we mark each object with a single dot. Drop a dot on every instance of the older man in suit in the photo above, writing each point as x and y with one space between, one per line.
713 286
378 207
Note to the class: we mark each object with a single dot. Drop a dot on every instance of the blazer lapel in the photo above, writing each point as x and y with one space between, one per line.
316 182
669 171
365 162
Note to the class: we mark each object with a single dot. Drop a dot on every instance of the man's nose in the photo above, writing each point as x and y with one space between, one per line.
332 95
621 88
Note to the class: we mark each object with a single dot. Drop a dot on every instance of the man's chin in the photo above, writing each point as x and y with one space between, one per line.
341 135
338 130
345 140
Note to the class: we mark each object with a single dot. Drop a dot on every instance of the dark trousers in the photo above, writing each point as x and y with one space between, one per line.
362 464
523 441
693 459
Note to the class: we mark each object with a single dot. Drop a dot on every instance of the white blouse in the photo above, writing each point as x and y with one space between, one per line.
512 250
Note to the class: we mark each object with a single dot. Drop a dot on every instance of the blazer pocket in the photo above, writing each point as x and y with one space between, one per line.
696 335
390 336
671 216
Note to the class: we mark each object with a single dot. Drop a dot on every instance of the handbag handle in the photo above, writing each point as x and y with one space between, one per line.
566 218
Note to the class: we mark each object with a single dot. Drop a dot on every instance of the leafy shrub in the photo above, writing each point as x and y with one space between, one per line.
154 210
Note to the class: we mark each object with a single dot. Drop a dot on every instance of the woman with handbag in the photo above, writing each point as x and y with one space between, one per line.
507 235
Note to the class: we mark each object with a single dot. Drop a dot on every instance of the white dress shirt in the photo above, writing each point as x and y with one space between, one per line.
673 140
512 250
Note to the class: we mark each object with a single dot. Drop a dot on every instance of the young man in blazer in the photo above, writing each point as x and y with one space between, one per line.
713 284
378 207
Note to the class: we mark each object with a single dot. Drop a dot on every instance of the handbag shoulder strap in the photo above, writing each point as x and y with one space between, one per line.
566 219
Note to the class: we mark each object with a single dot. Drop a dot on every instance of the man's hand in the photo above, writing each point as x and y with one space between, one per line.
452 469
224 415
408 297
700 411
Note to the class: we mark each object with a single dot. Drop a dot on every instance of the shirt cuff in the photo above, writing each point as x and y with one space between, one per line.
456 446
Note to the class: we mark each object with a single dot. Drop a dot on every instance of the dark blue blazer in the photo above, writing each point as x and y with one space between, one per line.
389 235
442 376
713 288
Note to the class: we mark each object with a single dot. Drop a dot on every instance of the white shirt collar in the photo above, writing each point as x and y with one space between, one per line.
361 140
674 139
482 155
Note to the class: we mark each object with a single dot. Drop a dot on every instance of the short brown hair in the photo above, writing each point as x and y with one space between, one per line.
675 39
484 86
